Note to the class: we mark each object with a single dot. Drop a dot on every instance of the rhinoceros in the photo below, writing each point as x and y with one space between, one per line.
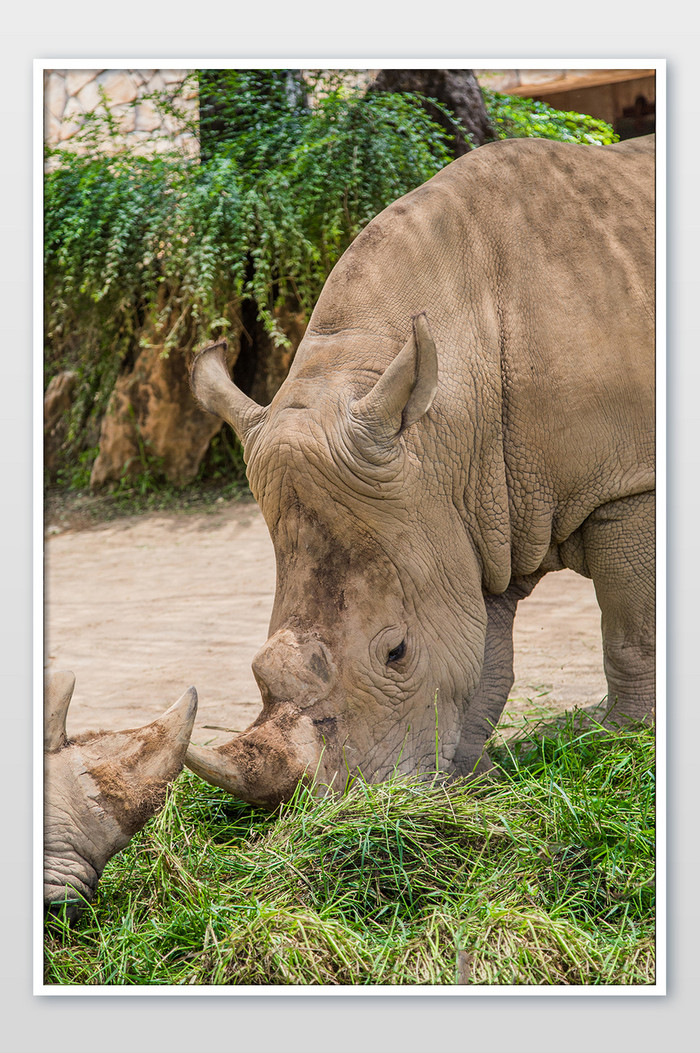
471 407
100 789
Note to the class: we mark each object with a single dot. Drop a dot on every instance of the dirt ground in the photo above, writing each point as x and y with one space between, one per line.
140 608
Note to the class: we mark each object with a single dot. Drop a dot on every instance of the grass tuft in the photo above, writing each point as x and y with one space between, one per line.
540 874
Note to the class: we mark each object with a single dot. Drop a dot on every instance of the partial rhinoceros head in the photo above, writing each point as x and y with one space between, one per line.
378 626
100 789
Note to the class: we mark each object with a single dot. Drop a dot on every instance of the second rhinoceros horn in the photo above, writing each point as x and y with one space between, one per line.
58 693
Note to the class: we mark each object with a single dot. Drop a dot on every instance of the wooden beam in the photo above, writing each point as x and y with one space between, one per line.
574 83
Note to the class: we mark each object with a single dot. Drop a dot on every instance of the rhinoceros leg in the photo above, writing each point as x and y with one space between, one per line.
486 705
619 544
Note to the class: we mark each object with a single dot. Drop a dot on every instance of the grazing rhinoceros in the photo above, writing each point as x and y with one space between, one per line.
472 406
99 789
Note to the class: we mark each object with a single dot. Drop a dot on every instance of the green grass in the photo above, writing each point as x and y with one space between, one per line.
543 873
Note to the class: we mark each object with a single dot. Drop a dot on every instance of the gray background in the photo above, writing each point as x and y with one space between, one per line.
277 31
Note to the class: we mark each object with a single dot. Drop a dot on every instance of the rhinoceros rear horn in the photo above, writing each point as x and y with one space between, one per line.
216 392
58 691
406 389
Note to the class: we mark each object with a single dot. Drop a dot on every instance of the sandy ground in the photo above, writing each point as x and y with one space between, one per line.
141 608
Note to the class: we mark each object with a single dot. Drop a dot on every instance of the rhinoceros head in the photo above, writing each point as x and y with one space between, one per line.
373 646
99 789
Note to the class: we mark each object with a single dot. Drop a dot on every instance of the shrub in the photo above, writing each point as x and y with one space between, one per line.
167 250
516 118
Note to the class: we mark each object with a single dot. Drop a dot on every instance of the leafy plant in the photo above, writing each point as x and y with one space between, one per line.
170 250
517 118
164 249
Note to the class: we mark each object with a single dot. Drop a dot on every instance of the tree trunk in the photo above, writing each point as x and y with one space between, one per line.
457 89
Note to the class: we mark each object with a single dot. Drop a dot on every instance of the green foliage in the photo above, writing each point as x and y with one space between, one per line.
165 250
540 874
264 217
516 118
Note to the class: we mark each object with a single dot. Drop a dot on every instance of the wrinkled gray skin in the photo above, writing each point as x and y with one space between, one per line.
99 789
471 407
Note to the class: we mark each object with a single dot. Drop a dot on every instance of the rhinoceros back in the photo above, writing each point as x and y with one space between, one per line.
534 261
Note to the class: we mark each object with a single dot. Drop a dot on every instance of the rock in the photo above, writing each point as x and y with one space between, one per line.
57 404
72 119
118 85
52 126
541 76
89 96
498 79
76 79
152 417
55 95
125 118
158 144
147 117
156 83
187 145
173 76
57 399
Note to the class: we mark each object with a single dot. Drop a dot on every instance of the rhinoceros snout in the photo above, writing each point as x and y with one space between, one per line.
292 668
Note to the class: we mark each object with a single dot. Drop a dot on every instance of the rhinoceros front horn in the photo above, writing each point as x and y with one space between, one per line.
250 776
216 767
264 764
216 392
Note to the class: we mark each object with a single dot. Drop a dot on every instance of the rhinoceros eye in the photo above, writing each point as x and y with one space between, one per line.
396 653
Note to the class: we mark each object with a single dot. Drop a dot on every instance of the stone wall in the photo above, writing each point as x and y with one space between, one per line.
69 94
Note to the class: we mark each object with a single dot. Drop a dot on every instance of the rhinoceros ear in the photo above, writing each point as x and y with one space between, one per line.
216 392
406 389
58 691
